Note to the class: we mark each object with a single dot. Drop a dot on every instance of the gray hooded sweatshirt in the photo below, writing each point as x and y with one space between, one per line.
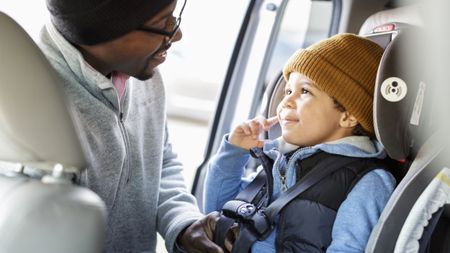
131 165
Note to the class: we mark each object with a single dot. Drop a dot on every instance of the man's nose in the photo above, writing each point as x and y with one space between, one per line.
177 36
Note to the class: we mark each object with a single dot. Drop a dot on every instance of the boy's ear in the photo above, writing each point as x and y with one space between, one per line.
348 120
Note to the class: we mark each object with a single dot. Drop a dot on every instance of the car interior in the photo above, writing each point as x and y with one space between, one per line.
41 157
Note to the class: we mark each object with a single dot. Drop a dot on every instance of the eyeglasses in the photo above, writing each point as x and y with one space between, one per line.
172 26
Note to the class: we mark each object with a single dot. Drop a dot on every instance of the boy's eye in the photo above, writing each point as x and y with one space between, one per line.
305 91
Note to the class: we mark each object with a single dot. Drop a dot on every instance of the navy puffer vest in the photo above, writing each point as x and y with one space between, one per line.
306 222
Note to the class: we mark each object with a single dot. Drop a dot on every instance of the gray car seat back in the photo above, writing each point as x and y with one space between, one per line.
41 211
35 128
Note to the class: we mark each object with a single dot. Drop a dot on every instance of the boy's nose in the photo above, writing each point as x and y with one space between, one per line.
288 102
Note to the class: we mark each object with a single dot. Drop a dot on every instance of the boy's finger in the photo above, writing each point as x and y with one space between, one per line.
270 122
254 126
246 129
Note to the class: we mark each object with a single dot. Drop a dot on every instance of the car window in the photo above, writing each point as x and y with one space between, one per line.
194 73
196 65
304 22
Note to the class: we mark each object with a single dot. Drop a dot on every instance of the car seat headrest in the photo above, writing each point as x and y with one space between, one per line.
409 14
35 126
403 115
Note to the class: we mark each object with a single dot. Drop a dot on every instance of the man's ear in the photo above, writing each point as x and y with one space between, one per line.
348 120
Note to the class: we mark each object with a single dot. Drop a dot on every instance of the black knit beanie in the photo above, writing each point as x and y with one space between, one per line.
91 22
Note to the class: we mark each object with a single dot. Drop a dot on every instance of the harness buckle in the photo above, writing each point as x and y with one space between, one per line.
250 215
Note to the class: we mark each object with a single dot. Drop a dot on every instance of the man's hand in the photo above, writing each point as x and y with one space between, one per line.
198 237
246 135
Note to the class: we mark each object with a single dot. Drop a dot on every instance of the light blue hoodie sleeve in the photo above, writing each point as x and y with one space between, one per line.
359 213
224 177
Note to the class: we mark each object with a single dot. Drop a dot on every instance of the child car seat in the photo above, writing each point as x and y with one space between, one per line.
406 122
40 209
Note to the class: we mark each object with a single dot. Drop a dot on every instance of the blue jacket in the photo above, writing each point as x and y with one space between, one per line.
356 216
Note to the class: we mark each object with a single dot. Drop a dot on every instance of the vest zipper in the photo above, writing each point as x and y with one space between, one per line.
283 168
283 182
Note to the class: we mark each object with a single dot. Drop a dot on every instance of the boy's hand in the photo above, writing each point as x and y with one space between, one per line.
247 134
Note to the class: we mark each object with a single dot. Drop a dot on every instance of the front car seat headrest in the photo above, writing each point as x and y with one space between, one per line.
35 126
403 115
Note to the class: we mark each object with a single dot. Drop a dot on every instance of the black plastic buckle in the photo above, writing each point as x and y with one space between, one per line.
238 210
249 214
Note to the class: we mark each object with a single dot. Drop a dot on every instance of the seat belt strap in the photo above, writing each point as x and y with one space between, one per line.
261 183
258 192
253 188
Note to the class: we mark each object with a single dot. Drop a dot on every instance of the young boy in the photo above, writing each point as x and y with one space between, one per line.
326 111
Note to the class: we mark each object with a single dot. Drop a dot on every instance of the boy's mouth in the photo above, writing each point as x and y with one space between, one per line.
287 117
288 120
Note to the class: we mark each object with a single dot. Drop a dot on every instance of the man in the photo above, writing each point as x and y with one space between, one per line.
107 53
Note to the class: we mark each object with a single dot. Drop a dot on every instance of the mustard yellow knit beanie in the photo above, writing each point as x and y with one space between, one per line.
343 66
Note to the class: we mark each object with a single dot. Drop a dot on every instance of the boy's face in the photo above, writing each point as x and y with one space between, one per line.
307 115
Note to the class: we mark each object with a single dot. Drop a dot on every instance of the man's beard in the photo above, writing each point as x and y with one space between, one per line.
142 75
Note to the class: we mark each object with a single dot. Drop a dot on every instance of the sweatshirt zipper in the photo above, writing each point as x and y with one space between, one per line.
127 169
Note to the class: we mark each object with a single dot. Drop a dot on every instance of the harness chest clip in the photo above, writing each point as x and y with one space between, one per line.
248 213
